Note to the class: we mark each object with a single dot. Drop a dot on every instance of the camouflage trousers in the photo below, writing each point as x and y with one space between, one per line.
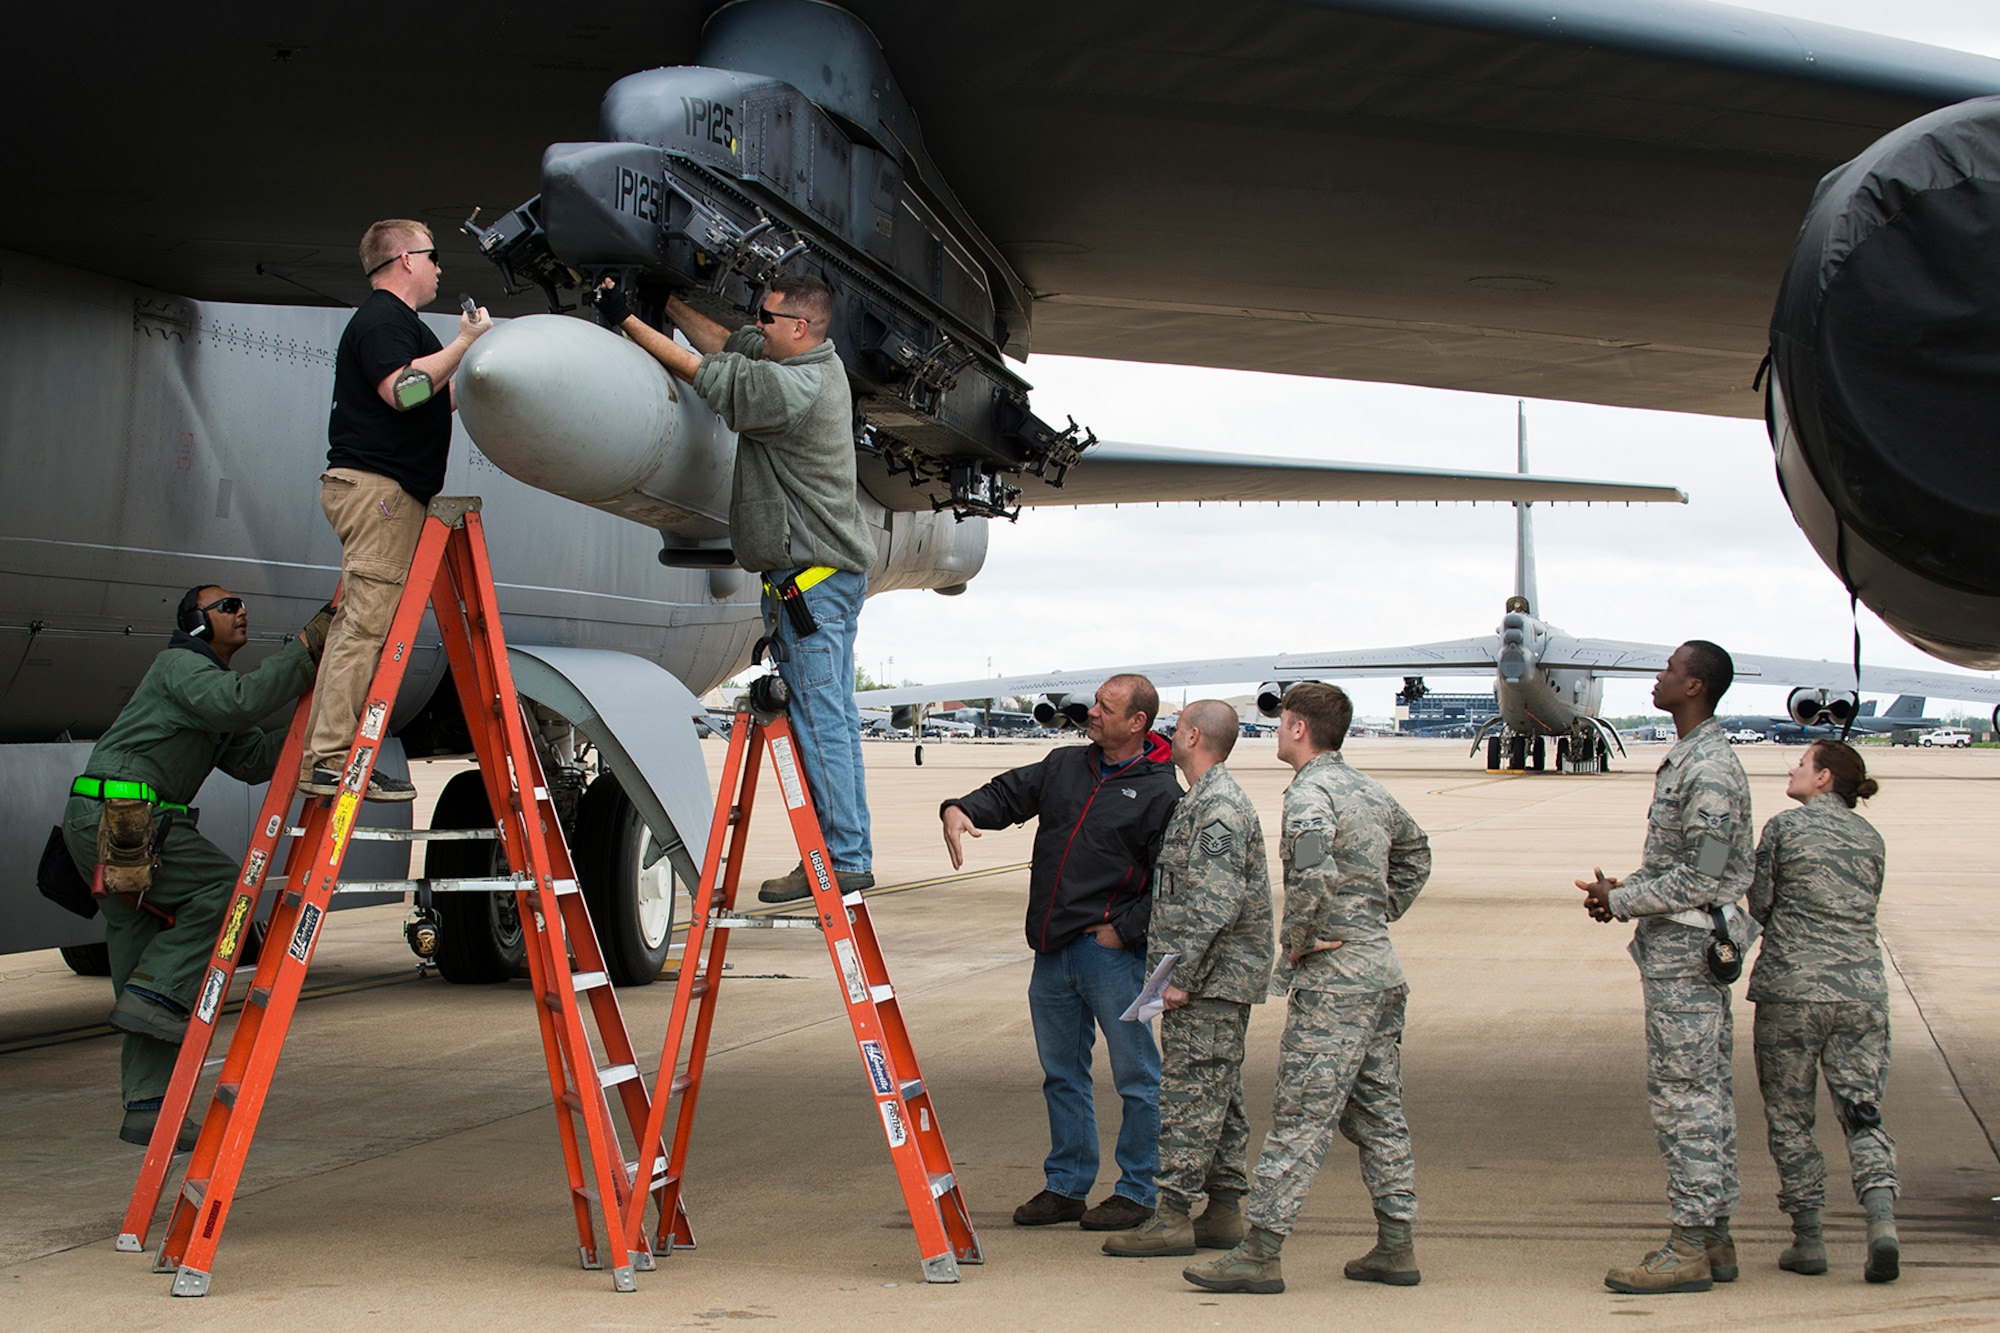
1204 1138
1848 1041
1339 1067
1690 1042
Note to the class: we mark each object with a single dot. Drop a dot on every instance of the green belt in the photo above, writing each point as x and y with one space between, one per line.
114 789
808 578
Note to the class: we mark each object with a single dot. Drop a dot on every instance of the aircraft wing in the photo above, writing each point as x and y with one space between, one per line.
1136 473
1588 201
1458 656
1612 657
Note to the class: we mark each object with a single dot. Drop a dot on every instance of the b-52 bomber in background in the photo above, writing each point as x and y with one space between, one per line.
1549 685
1418 191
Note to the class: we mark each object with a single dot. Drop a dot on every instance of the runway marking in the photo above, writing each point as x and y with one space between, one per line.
64 1036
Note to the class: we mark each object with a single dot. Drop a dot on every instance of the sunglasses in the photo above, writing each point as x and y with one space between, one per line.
430 254
229 606
769 316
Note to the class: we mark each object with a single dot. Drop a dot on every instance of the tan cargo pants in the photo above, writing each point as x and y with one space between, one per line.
378 523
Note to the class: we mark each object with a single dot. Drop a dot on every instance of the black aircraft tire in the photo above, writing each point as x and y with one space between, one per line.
1541 753
88 960
1517 753
479 934
1493 753
632 910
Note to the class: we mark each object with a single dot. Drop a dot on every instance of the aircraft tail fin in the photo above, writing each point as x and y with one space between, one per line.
1524 529
1907 705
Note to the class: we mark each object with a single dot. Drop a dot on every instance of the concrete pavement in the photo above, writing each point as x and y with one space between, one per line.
407 1170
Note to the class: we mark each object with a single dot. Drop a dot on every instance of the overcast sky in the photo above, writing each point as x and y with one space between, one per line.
1074 588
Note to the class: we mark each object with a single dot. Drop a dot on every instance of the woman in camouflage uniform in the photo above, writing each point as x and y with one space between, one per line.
1823 1002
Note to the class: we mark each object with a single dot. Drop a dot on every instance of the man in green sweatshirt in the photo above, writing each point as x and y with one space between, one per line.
793 518
190 714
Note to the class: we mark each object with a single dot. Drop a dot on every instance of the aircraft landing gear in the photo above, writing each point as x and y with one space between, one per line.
1493 754
1541 754
1517 753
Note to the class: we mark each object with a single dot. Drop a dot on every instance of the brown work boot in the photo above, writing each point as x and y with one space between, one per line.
1221 1225
1116 1213
1170 1232
1048 1208
1252 1266
1393 1261
1679 1265
1721 1248
786 888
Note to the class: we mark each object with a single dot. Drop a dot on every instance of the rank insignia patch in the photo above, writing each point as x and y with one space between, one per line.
1217 839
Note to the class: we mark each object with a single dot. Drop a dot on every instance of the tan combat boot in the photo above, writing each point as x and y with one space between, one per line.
1807 1252
1885 1251
1221 1225
1252 1266
1679 1265
1169 1232
1721 1247
1392 1261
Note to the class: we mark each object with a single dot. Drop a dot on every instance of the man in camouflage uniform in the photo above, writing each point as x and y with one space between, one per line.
1212 906
1697 859
1354 861
1823 1002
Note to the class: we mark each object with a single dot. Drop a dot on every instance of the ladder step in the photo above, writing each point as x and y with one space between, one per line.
854 899
565 886
582 1192
259 996
942 1183
612 1075
194 1191
680 1083
225 1093
699 989
591 980
913 1089
881 994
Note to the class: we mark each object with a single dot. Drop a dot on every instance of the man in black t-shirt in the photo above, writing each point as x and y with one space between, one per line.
388 437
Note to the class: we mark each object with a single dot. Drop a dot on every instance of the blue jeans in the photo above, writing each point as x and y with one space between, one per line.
1080 986
819 672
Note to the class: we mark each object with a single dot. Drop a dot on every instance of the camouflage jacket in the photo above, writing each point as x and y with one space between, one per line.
1818 880
1212 894
1697 855
1354 861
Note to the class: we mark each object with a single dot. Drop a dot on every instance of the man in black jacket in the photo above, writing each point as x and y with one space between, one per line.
1102 808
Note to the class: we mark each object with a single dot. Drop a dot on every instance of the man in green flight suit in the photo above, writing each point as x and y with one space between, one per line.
189 715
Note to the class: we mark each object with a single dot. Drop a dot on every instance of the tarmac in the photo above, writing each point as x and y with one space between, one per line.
406 1171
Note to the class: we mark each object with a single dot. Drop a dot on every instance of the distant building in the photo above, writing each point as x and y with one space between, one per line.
1436 712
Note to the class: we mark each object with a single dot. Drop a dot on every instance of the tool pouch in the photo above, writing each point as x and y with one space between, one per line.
125 846
1725 960
796 610
58 880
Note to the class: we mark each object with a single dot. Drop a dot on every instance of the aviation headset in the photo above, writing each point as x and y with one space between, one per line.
190 618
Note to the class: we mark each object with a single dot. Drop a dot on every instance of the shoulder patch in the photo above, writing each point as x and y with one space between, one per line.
1308 849
1217 839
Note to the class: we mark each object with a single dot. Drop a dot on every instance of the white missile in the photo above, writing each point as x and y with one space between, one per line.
574 409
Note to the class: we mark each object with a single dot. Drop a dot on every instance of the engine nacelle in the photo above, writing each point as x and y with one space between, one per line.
1821 708
1271 696
1062 710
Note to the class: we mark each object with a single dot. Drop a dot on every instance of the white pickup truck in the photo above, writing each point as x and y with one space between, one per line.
1951 736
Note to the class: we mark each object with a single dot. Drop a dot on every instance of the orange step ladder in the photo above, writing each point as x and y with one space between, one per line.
945 1238
450 572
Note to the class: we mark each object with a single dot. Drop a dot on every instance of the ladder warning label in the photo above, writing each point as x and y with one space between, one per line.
878 1067
787 765
211 995
232 930
850 971
343 820
254 871
371 725
302 938
892 1124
